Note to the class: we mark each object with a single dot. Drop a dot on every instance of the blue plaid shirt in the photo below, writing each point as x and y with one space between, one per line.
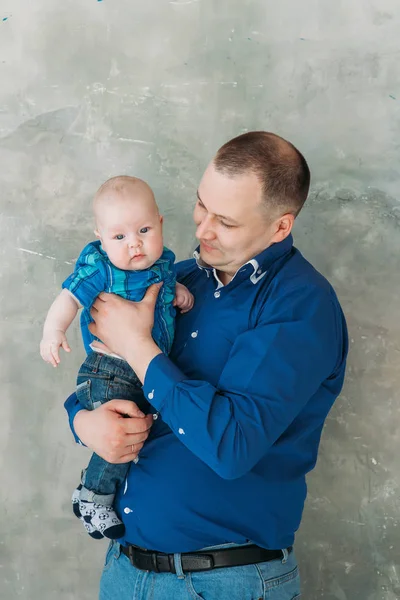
94 273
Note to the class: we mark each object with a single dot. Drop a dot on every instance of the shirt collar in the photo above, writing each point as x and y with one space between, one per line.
256 267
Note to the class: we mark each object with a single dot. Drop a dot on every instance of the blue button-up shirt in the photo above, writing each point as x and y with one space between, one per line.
254 370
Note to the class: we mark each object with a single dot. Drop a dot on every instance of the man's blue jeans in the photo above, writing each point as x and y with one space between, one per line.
274 580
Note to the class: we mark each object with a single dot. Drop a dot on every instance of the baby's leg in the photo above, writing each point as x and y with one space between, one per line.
100 379
91 529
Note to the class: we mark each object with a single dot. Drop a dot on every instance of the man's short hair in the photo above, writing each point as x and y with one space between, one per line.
280 167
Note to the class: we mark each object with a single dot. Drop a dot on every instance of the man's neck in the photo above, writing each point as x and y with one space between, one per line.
225 278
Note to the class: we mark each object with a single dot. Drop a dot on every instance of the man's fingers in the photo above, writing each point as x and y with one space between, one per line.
136 426
129 455
126 458
134 448
101 298
96 305
135 438
100 301
92 326
124 407
152 293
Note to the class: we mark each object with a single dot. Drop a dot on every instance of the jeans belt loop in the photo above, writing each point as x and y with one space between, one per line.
171 563
154 562
130 554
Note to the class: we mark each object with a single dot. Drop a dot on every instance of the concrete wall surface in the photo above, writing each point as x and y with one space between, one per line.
93 89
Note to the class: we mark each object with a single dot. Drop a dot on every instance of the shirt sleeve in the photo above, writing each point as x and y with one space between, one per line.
271 373
72 406
86 282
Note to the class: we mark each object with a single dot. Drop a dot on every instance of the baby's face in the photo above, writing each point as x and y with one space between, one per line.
131 234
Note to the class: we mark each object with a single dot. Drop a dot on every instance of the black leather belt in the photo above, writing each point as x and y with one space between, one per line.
204 560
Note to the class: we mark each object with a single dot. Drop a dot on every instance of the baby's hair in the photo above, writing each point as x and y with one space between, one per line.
122 187
119 184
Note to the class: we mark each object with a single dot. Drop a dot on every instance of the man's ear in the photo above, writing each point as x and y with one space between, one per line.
161 219
283 228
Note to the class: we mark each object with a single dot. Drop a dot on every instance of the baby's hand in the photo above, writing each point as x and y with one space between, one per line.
50 344
183 298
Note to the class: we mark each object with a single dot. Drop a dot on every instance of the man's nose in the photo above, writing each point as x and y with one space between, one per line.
204 229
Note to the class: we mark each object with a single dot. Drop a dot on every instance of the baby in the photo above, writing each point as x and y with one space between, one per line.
128 257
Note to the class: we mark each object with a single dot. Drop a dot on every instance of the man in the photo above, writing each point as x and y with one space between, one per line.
255 368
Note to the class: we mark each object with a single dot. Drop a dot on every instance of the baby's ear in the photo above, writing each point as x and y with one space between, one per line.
161 219
97 234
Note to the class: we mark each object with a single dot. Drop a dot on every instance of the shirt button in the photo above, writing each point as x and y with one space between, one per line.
127 510
194 334
180 430
259 272
151 395
217 294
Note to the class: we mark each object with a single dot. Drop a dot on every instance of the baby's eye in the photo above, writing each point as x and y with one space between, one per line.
120 236
144 230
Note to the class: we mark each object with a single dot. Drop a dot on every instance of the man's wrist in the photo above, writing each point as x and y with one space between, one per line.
79 417
140 356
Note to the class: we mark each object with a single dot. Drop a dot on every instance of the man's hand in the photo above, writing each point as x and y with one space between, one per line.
121 323
109 434
125 327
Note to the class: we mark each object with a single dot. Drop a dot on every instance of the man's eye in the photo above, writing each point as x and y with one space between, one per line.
144 229
120 236
226 225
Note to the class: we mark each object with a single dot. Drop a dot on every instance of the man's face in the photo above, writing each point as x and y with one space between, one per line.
232 224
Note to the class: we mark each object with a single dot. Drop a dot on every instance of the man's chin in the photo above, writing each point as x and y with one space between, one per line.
210 260
205 256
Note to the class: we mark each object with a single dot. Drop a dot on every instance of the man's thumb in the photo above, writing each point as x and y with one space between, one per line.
152 292
125 407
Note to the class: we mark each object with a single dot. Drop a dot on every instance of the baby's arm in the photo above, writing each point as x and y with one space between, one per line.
60 316
183 298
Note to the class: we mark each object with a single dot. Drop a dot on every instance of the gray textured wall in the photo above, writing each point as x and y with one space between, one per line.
93 89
